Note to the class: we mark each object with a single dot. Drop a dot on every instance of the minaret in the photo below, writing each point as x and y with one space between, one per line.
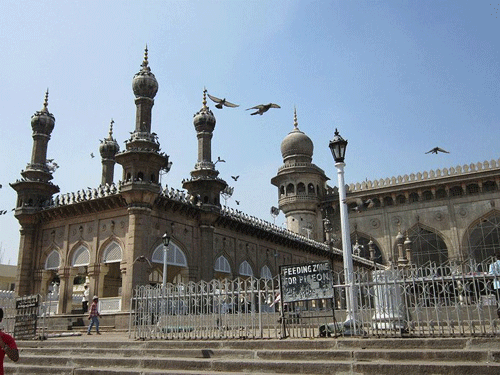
108 149
301 185
34 191
204 181
142 160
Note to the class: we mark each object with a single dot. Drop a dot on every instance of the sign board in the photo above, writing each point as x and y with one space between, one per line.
302 282
26 317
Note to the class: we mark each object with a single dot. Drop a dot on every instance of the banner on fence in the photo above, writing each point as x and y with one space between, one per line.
302 282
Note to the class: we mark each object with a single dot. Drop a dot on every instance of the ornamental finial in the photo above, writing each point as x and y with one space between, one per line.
111 129
145 62
295 122
46 101
205 98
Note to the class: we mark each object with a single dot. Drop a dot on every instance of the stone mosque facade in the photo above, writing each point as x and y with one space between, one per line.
111 236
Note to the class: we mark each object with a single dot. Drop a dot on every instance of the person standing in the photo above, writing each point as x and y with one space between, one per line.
85 299
7 346
94 316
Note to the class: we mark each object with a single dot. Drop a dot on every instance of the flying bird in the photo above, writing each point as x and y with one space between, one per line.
219 160
235 178
262 108
92 155
222 102
435 150
237 202
362 206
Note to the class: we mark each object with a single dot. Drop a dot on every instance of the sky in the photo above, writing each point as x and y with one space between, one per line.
396 78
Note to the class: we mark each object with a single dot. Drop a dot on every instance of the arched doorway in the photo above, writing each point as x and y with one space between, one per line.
177 266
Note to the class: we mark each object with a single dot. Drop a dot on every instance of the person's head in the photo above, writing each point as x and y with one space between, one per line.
1 314
95 299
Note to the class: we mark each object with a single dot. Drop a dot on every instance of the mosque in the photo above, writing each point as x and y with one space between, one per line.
113 236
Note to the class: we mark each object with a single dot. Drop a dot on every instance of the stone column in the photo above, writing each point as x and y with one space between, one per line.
103 271
64 294
24 278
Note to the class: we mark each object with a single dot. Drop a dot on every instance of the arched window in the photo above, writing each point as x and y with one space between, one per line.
128 177
112 253
401 199
376 202
310 189
456 191
388 201
222 265
153 179
290 189
489 186
484 238
140 176
427 195
440 193
413 197
472 189
265 273
81 257
282 190
301 188
245 269
427 247
175 256
53 261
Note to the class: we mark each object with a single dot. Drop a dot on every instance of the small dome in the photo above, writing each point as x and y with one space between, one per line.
204 119
144 83
109 147
296 143
43 121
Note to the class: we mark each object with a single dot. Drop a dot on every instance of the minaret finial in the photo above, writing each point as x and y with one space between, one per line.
145 62
295 122
111 129
204 98
46 101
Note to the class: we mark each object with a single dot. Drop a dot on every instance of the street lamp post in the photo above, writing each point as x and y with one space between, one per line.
338 146
165 240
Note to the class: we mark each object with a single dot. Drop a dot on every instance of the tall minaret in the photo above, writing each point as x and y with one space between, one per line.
34 191
108 149
204 181
142 162
301 185
142 159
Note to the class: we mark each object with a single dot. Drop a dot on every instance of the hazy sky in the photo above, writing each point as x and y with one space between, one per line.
397 78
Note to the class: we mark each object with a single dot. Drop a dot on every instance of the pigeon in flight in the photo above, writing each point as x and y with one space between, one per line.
219 160
92 155
237 202
362 206
262 108
435 150
235 178
222 102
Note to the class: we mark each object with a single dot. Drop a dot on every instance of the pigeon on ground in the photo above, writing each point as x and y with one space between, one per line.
435 150
222 102
262 108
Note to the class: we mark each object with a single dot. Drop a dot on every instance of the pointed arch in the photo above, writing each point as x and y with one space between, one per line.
222 265
112 253
53 261
265 273
482 238
81 257
427 245
245 269
175 256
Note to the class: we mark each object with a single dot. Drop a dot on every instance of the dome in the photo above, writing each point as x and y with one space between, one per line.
43 121
204 119
296 143
144 83
109 147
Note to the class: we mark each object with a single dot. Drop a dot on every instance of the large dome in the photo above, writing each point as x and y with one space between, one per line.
296 143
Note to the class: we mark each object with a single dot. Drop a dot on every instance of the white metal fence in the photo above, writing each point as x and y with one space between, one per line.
450 300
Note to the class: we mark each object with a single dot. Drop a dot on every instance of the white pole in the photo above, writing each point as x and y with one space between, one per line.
346 248
164 286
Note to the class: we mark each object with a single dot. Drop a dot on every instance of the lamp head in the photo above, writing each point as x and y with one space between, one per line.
165 239
338 146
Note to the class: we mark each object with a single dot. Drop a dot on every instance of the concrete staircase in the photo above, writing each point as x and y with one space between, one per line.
115 353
